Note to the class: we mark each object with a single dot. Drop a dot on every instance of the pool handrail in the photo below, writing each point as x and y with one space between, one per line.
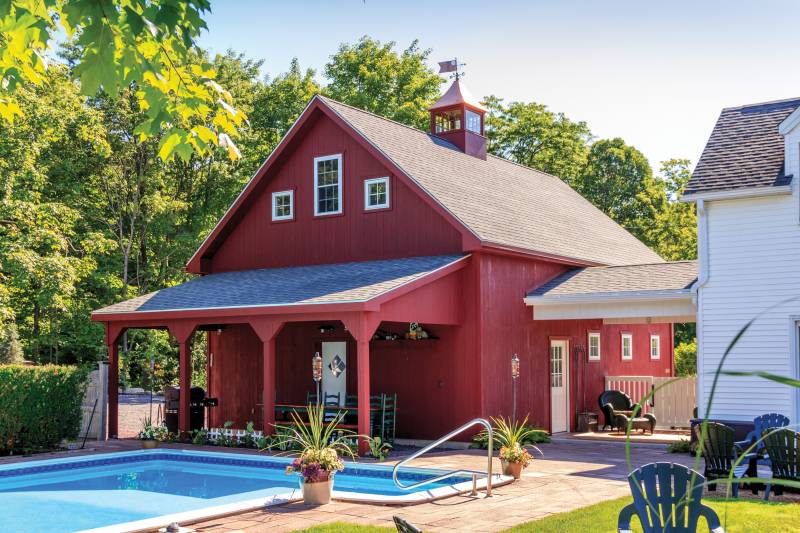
477 421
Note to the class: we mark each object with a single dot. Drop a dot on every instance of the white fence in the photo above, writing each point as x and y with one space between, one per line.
672 404
95 407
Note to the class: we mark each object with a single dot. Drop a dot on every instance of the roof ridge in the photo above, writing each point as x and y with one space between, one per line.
759 104
663 263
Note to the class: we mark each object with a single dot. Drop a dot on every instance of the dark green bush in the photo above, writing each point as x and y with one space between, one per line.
40 405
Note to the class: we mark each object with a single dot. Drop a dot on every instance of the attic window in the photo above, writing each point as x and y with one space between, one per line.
473 122
448 121
328 185
283 205
376 193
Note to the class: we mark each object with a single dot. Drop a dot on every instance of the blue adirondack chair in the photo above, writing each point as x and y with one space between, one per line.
666 498
760 425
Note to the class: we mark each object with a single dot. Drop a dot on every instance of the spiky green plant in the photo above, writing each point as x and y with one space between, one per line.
316 435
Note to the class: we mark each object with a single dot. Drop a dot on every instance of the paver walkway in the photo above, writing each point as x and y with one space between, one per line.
573 474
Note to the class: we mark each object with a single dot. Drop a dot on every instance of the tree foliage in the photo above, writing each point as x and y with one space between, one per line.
147 46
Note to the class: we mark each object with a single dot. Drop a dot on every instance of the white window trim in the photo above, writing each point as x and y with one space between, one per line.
369 182
317 160
622 346
290 216
594 334
658 347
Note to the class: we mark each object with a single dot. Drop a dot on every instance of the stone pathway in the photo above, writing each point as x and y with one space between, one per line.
573 474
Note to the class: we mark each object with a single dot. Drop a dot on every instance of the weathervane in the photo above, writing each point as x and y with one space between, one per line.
452 65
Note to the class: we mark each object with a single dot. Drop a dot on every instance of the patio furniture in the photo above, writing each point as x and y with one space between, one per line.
612 401
720 454
389 418
656 488
643 423
760 425
404 527
783 448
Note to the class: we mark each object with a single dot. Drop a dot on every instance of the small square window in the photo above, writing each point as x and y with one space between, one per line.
655 347
627 346
376 193
594 346
283 205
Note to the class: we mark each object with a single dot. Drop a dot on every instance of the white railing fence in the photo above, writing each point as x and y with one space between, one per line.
95 406
673 404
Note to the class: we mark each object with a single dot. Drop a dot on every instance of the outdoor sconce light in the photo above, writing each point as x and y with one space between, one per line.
514 377
325 329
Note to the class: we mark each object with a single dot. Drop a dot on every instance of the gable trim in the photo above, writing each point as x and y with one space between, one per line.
743 192
790 122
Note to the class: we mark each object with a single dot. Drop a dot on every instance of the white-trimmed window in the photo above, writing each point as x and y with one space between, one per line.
655 347
283 205
376 193
594 346
627 346
328 185
473 122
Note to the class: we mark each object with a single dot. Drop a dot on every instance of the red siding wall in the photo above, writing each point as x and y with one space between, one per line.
235 376
409 228
508 328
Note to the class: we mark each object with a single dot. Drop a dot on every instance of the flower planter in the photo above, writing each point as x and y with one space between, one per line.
318 493
511 468
149 444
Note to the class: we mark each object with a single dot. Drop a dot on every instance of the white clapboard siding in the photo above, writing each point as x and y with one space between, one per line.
754 263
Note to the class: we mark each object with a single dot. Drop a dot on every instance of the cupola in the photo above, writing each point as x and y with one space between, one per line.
458 117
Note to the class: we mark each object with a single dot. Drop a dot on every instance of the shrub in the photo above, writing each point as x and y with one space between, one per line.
681 446
686 359
40 406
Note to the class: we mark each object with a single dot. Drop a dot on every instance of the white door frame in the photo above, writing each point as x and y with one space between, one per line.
565 380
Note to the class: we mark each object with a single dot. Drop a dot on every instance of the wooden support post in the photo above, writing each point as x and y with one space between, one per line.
186 384
113 389
267 330
362 359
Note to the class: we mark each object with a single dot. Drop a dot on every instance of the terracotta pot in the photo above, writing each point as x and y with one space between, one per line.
318 493
511 469
149 444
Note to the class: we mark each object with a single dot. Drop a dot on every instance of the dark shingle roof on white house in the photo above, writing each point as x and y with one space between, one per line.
314 284
654 278
501 202
745 149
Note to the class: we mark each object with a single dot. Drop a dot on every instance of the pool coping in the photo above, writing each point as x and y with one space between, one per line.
217 511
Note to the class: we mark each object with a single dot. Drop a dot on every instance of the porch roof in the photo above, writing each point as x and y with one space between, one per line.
341 283
656 292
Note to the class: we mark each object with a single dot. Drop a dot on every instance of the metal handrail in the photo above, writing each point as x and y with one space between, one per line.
441 440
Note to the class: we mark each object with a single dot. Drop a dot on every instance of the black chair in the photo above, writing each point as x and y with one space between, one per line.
783 448
720 454
614 402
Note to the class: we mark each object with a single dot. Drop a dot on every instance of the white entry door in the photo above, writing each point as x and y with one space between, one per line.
334 369
559 387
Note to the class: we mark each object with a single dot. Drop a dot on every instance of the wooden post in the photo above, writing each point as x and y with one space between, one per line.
362 359
113 389
267 330
186 384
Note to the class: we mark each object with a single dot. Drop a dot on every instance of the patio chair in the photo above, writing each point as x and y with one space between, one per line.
656 488
783 448
404 527
720 453
331 400
760 425
612 401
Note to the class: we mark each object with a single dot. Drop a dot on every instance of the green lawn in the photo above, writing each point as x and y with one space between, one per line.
743 516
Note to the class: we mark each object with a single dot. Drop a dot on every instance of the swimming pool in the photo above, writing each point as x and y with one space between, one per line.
130 491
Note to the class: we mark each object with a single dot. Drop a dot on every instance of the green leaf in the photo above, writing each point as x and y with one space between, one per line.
168 144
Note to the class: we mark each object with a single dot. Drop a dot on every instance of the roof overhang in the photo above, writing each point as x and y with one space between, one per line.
790 122
733 194
615 308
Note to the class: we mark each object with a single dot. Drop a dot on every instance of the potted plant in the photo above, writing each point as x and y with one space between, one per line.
320 446
151 434
512 437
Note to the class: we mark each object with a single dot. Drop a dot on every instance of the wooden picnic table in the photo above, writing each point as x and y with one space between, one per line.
286 408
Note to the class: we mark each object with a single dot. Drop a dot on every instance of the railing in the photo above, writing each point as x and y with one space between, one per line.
454 473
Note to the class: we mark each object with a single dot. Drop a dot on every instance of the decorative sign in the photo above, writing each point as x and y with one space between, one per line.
337 366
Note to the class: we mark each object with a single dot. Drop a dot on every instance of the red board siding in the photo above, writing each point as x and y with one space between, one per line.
508 328
235 376
408 228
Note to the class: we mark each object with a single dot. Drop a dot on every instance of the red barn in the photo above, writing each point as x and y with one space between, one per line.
356 227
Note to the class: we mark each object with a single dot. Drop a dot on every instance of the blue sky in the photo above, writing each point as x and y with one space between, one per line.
655 73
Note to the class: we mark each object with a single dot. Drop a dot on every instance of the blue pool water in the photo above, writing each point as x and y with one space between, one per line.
66 495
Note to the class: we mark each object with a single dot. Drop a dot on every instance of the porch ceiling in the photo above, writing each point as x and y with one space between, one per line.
658 292
335 284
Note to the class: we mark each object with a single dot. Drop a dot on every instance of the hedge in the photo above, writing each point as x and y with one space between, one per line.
40 405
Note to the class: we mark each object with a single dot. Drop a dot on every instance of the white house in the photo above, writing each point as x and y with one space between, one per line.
746 190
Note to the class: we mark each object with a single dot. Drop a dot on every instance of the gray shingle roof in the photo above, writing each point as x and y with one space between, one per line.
316 284
744 150
628 279
501 202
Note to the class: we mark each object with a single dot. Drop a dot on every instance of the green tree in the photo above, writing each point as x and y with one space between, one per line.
686 359
371 75
532 135
672 231
10 348
146 44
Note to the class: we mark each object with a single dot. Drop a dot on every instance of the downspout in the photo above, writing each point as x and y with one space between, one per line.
702 279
